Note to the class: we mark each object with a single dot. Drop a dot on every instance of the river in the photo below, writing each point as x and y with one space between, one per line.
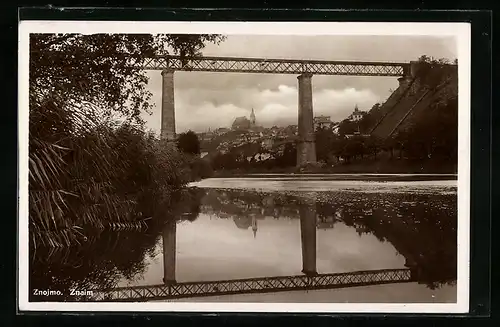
253 226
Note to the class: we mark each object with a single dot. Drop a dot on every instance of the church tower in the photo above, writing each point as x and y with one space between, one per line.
252 119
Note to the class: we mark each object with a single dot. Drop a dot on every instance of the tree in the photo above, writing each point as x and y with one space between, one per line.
82 163
322 144
401 140
188 143
367 122
375 111
389 144
188 45
373 145
434 132
352 148
347 127
104 69
432 72
338 147
218 161
289 156
325 141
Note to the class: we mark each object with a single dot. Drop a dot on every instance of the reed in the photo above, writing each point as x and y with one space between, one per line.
86 171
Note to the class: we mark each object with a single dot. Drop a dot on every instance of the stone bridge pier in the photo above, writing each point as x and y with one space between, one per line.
167 107
307 212
306 148
169 251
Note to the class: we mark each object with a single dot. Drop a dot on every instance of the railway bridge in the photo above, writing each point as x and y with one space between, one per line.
305 69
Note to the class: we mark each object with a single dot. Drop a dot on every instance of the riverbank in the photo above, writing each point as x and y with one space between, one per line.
305 184
340 177
382 166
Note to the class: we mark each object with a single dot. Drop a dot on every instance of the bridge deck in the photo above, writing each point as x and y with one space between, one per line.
253 285
274 66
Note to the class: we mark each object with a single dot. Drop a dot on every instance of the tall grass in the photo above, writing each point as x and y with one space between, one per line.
86 171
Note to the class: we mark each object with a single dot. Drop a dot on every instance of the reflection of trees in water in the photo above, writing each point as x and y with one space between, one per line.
422 227
100 263
187 204
108 257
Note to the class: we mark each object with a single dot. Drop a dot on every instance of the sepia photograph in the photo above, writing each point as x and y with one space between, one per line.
308 167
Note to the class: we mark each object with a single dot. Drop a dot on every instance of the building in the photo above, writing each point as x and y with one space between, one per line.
246 222
356 114
241 123
221 130
290 130
267 143
357 134
205 136
335 128
322 122
252 119
242 222
325 222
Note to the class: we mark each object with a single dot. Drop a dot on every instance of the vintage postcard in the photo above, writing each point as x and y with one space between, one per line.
244 167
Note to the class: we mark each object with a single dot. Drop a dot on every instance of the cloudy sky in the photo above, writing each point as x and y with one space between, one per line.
205 99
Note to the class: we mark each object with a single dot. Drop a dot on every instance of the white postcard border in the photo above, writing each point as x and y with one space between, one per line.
461 31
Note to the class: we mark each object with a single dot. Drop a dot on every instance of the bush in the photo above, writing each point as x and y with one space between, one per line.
202 169
188 143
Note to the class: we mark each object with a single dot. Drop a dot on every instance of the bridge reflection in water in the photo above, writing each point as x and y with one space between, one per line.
310 280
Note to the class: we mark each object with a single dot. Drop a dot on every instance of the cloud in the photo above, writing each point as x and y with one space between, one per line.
206 99
198 111
281 106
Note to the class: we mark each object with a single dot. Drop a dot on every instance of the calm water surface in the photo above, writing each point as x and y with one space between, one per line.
254 227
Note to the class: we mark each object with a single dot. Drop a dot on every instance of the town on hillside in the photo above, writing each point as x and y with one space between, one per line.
247 132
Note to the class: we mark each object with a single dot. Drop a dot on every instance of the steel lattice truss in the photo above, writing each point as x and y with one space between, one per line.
253 285
273 66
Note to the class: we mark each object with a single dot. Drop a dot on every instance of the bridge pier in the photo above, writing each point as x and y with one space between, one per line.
169 251
306 149
404 81
307 212
167 106
415 270
408 75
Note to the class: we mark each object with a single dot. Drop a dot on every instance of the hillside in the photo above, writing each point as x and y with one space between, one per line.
430 83
421 111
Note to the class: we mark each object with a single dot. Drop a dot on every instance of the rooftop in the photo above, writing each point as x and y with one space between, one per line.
325 119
